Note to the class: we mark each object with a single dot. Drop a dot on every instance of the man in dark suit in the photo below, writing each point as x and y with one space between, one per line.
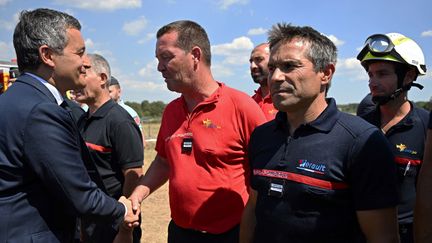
44 184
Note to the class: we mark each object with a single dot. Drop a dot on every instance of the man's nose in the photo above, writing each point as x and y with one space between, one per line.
275 76
253 65
86 61
160 66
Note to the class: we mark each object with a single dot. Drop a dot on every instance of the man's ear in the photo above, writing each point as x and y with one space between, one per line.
104 79
410 76
46 55
196 54
327 74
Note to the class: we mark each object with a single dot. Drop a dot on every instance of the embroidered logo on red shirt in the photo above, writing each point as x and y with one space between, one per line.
179 135
272 111
209 124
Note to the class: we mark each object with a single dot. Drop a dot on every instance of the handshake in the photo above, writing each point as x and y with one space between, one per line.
130 221
132 215
133 205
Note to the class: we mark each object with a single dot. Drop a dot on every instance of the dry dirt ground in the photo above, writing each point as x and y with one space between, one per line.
155 215
155 211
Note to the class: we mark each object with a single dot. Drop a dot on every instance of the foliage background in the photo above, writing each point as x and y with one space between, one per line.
152 111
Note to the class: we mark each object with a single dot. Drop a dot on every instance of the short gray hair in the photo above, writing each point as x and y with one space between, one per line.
100 65
41 27
322 51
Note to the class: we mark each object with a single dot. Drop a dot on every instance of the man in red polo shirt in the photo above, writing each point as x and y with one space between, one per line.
202 143
259 71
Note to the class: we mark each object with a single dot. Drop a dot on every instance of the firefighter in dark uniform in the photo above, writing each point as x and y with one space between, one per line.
318 174
115 144
393 62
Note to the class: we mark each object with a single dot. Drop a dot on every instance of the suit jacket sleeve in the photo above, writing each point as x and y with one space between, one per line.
51 149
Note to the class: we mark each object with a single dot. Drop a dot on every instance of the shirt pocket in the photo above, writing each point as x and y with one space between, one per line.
328 196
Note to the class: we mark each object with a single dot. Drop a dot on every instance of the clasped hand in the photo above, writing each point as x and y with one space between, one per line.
131 218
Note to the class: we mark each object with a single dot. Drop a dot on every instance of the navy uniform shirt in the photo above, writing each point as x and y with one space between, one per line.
407 138
115 143
325 172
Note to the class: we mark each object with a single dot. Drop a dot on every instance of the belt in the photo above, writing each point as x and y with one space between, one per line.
201 231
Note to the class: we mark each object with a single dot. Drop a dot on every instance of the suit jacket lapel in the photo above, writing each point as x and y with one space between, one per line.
85 154
27 79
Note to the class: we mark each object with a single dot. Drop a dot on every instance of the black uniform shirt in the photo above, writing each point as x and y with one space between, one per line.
328 169
407 138
115 143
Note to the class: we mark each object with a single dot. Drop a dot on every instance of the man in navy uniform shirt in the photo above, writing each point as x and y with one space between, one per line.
393 62
318 175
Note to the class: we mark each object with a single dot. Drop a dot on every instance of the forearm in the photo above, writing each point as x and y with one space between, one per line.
124 235
131 179
423 208
379 225
247 227
156 175
248 222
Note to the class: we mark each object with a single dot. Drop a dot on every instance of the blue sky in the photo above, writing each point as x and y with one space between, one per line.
123 31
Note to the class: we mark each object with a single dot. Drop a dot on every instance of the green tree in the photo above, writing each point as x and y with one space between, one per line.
145 106
424 104
136 106
157 108
149 109
348 108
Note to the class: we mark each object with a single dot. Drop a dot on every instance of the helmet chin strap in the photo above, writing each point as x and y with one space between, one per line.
382 100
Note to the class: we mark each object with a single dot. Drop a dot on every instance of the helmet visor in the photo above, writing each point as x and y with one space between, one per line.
379 45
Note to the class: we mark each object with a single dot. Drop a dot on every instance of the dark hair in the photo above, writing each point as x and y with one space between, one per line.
40 27
114 81
190 34
322 50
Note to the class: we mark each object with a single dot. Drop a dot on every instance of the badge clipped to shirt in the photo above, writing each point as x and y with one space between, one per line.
276 188
186 146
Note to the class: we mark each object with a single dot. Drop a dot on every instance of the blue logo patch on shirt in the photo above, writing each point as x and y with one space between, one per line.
317 168
403 148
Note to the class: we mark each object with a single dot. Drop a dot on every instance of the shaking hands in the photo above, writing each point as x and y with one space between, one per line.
132 215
